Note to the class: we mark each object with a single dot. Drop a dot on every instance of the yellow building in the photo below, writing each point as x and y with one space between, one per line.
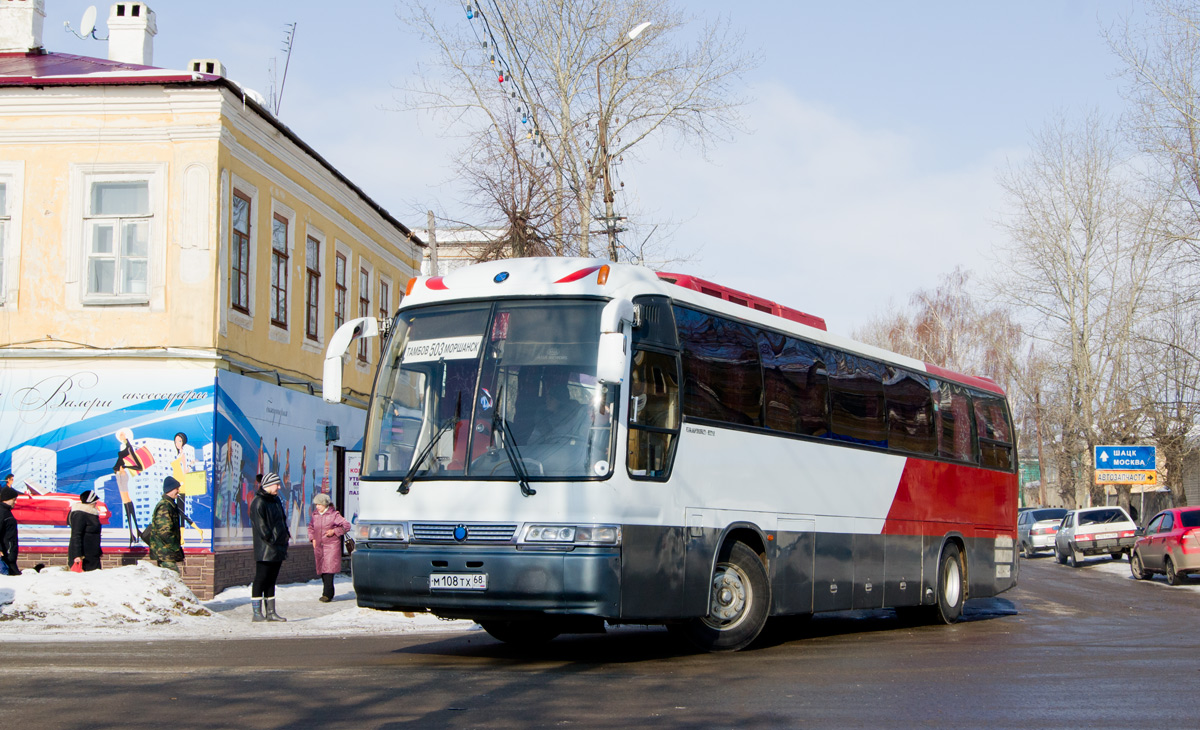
173 261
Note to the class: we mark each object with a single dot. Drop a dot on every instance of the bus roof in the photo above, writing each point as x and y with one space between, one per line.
562 276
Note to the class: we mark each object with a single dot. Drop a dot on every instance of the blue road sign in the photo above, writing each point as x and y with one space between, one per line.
1125 458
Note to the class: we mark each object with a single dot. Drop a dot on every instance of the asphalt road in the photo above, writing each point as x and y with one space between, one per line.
1067 648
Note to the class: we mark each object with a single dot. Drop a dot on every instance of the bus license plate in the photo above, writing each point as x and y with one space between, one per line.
458 581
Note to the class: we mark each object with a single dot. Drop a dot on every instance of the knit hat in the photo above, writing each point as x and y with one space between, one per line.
321 498
170 484
270 478
7 493
89 496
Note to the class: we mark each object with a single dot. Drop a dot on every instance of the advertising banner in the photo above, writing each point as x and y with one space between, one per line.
263 427
117 429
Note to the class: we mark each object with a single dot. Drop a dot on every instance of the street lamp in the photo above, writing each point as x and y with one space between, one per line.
609 219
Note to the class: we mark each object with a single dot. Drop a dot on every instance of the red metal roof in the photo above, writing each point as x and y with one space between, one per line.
53 69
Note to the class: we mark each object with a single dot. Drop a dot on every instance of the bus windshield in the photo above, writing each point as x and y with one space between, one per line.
492 390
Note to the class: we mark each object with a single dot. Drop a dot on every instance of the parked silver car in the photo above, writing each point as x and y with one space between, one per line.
1094 531
1036 529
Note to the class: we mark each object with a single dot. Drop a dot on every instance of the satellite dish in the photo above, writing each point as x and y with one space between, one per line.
88 23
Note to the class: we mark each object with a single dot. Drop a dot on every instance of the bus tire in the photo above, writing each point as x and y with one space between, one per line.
521 633
951 585
738 606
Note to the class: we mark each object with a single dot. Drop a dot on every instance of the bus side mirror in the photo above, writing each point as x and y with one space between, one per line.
331 381
614 354
614 345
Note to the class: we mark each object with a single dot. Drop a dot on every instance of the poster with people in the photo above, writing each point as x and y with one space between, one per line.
262 427
66 429
120 431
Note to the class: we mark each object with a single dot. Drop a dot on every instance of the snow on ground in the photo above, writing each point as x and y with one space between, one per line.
1121 568
153 603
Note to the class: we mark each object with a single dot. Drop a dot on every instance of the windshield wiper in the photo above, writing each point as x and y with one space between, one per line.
437 436
510 447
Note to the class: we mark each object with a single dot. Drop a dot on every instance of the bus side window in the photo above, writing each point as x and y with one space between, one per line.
653 414
994 433
954 424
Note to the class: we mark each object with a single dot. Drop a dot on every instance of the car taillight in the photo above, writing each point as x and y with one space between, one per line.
1189 542
1044 530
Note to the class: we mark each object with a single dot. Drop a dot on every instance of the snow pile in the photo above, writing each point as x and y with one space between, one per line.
137 594
149 602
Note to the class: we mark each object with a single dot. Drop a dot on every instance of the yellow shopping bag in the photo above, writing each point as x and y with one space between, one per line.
194 483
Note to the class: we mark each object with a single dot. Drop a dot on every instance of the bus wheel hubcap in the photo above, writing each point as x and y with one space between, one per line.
729 594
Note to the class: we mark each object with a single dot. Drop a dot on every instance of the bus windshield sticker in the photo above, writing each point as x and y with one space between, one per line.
500 327
442 348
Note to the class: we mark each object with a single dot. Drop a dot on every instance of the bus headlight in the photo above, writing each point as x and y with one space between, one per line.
572 534
382 531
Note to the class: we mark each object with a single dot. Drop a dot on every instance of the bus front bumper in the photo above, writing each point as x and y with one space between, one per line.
582 582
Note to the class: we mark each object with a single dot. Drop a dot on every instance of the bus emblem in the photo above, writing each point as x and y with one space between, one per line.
460 533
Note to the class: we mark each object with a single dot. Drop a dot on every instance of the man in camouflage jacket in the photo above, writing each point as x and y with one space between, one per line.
166 545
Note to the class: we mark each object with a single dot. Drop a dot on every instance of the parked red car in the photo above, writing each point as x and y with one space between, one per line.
1170 545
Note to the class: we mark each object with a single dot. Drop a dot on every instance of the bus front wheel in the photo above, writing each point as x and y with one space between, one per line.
739 602
952 585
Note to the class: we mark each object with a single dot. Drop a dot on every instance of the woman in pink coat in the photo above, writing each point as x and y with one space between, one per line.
325 529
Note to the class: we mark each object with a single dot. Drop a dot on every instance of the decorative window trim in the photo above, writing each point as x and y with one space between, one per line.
12 175
362 357
275 332
384 304
307 343
240 277
81 177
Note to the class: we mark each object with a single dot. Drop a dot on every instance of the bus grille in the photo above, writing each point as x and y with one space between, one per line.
476 533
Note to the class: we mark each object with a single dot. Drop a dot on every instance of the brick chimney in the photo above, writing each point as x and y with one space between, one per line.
131 31
21 25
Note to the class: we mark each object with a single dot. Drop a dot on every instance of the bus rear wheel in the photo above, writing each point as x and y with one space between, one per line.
521 633
952 585
739 602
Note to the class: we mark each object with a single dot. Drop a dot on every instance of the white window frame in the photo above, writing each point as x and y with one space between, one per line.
365 343
238 317
274 331
82 177
347 253
12 176
323 256
385 309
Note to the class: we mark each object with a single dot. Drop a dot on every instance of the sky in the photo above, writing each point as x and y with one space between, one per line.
866 172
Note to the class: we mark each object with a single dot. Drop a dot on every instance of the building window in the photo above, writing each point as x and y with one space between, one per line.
239 271
117 229
385 300
364 307
312 268
339 291
4 223
279 271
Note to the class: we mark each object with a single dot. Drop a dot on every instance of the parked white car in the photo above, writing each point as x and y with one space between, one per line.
1036 529
1094 531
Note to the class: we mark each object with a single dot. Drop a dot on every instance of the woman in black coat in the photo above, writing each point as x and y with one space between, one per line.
84 521
268 522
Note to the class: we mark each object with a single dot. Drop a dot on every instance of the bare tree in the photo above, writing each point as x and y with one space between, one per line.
1083 256
1162 70
541 63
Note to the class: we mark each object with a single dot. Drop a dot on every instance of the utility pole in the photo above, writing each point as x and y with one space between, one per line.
610 221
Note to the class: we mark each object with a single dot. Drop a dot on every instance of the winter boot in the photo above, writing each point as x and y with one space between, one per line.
270 606
256 604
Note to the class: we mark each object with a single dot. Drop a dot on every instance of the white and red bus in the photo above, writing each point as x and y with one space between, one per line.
555 444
